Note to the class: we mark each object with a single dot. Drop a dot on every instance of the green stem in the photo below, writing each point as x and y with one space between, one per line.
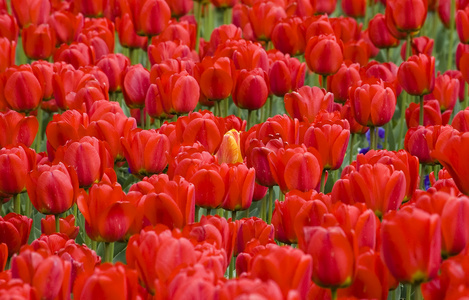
249 120
1 210
198 19
333 293
142 118
231 268
465 99
422 177
233 215
434 22
323 181
108 252
209 212
226 103
352 140
248 211
408 50
388 54
57 223
271 200
387 128
17 204
227 15
196 215
393 294
131 56
39 130
29 208
324 82
263 207
418 292
421 111
402 120
408 292
451 34
75 211
218 109
372 137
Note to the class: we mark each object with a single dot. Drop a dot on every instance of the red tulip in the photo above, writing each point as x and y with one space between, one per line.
107 213
285 73
263 16
334 256
30 11
446 91
14 229
76 54
39 271
340 82
127 36
239 186
347 113
306 102
88 156
252 230
408 16
251 89
358 51
52 189
288 36
354 9
284 217
180 8
289 268
179 92
324 55
417 74
135 85
245 287
38 41
431 114
461 121
419 45
17 129
412 253
150 17
145 151
66 26
15 164
22 90
3 256
323 7
379 33
67 226
9 27
331 141
421 141
7 53
215 76
462 25
373 104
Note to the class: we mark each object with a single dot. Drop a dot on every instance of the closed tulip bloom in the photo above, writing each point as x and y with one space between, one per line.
251 89
76 54
52 189
306 102
38 41
380 187
15 231
324 55
107 212
229 151
354 9
127 36
153 18
462 25
446 91
288 37
7 53
408 16
145 151
285 216
239 186
379 33
323 7
411 253
419 45
17 129
3 256
30 11
461 121
252 230
22 90
334 256
263 16
67 226
373 104
340 82
66 26
290 268
331 141
463 62
431 114
114 65
9 27
417 74
216 77
15 164
180 8
285 74
449 152
421 141
179 92
135 85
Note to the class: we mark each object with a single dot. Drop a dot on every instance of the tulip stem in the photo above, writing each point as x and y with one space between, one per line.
17 204
198 17
196 214
227 106
233 215
227 15
248 211
324 82
402 119
263 207
372 138
451 34
323 181
28 208
142 118
422 177
271 197
352 140
57 223
386 135
464 97
39 130
209 212
408 49
421 111
408 291
249 121
418 292
108 252
333 293
231 268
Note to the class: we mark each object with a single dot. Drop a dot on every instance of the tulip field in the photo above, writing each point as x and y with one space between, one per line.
234 149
